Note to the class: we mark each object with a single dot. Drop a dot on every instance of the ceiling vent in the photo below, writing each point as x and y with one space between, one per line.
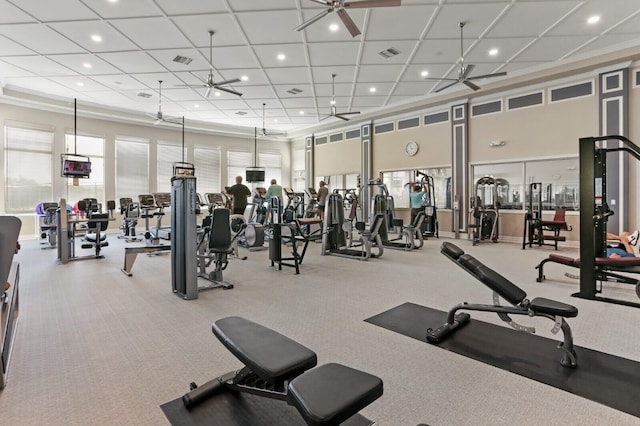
182 60
144 95
392 51
294 91
241 113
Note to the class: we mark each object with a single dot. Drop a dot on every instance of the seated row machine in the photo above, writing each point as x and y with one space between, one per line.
502 287
279 368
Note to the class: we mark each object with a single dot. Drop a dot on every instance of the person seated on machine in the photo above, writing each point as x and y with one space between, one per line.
624 248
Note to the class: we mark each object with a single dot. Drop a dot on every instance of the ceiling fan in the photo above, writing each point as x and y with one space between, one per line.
159 116
464 71
263 131
334 112
339 7
210 83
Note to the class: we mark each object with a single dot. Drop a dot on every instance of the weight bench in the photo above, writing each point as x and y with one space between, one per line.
502 287
607 268
277 367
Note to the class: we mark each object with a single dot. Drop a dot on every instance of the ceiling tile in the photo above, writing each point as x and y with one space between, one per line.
10 14
76 62
130 9
329 54
254 22
289 75
81 31
294 53
184 7
414 20
132 62
39 65
144 33
39 38
58 10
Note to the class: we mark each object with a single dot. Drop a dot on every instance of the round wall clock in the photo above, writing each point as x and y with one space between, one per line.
411 148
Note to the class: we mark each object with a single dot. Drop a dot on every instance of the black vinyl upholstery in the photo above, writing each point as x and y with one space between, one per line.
553 307
220 232
269 354
505 288
332 393
450 250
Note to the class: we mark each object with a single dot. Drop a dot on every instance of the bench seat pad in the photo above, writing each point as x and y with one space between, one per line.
332 393
266 352
564 260
553 307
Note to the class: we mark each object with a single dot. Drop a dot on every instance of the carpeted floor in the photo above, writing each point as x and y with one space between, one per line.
96 347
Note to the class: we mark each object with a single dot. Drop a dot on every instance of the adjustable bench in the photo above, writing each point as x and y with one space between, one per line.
502 287
279 368
607 268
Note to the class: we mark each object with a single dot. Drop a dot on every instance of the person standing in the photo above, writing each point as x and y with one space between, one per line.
239 192
274 190
323 193
416 200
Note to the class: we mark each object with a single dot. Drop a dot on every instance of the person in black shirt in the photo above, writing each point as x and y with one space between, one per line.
239 192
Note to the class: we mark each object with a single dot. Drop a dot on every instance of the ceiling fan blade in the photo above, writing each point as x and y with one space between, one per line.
439 79
316 18
348 22
471 85
349 113
224 89
220 83
208 92
372 3
495 74
323 2
325 117
341 117
447 86
467 71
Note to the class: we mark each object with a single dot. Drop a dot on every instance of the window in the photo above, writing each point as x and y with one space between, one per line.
167 155
93 187
207 164
237 163
272 163
396 183
132 168
298 171
28 168
441 186
508 185
560 182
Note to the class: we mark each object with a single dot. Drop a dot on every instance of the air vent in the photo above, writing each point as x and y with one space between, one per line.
182 60
294 91
392 51
144 95
241 113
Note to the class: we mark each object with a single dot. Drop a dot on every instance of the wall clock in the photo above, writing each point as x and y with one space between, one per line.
411 148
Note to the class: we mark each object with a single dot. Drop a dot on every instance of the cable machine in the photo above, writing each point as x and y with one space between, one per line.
430 225
485 215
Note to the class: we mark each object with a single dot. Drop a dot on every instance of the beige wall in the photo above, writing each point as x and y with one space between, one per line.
541 131
337 158
434 143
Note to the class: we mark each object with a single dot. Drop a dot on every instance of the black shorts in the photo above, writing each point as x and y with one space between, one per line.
321 208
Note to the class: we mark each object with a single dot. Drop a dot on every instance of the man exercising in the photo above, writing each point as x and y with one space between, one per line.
323 193
274 190
239 192
627 240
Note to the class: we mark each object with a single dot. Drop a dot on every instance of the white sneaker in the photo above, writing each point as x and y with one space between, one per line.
633 238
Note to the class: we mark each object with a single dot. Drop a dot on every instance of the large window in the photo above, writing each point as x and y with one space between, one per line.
272 163
207 164
132 168
167 155
28 168
93 187
397 185
507 182
237 163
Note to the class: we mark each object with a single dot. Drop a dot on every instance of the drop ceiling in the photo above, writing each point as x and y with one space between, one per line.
45 47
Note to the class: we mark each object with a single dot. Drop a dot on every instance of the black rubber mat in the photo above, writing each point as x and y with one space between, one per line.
234 409
600 377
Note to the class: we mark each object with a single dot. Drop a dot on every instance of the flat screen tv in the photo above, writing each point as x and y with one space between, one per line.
76 168
255 175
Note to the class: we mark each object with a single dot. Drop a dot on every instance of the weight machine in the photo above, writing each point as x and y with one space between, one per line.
535 226
430 224
484 212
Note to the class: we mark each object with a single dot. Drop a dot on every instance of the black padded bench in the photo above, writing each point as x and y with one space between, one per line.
279 368
517 297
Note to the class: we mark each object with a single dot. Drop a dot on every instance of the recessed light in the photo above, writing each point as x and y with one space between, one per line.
244 78
96 38
372 89
275 120
87 65
113 1
333 27
217 93
281 57
593 19
493 52
80 84
333 102
301 112
424 74
196 106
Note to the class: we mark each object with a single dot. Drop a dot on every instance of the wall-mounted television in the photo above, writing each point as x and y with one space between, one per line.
255 175
76 168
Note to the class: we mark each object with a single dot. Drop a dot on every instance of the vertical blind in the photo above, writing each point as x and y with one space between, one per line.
28 168
207 164
132 168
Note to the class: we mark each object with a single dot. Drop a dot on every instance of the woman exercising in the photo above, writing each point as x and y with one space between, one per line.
627 240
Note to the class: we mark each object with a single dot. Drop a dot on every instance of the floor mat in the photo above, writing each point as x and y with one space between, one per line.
235 409
600 377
